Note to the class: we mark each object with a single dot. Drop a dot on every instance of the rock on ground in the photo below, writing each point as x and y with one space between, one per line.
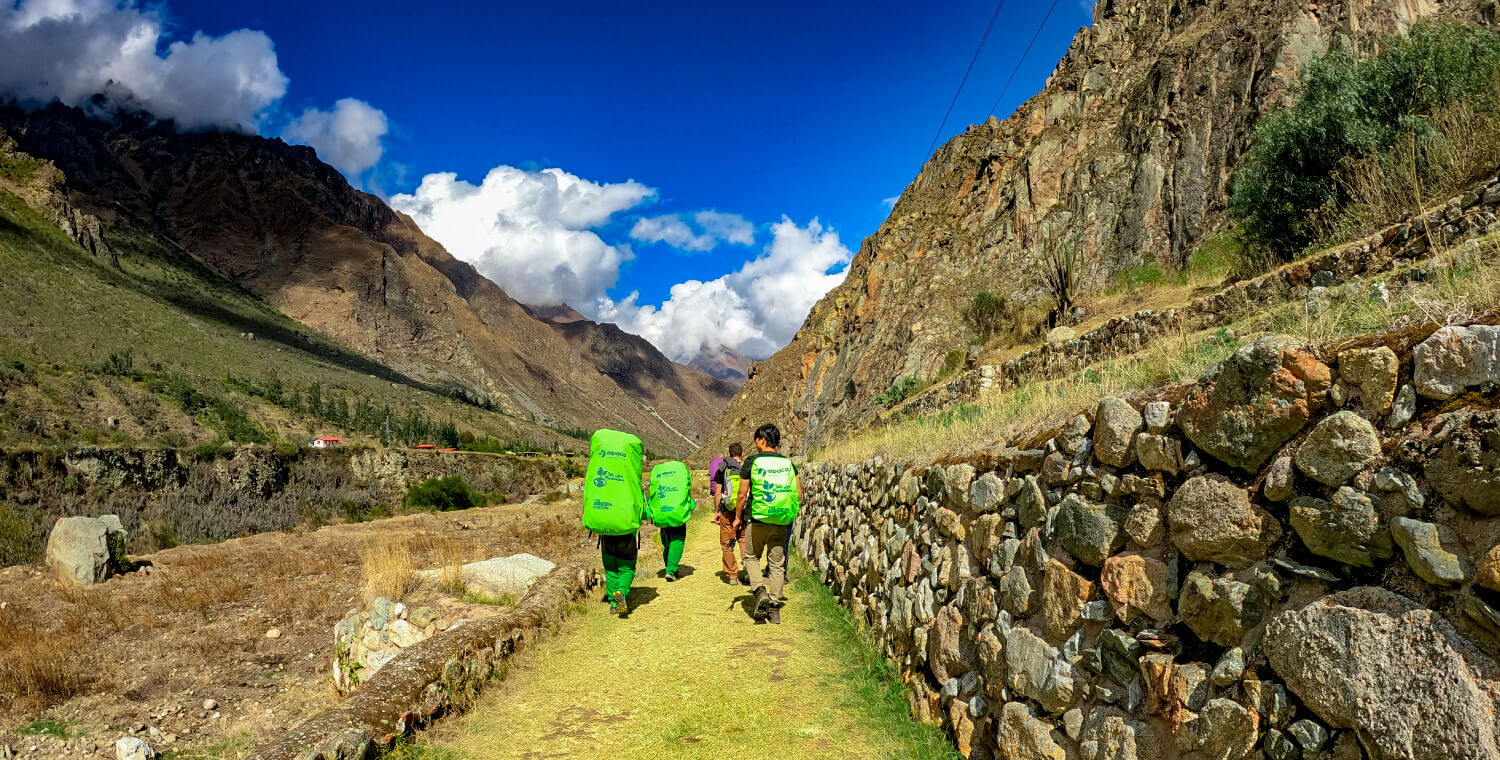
499 576
1375 372
1373 660
1244 408
86 550
1432 551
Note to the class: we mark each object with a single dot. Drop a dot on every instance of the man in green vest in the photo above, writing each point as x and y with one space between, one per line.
770 497
724 483
670 505
613 507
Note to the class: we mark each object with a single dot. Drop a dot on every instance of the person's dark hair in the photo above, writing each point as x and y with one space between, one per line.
770 434
736 450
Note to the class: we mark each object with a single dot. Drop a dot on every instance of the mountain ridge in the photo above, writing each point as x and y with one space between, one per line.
289 228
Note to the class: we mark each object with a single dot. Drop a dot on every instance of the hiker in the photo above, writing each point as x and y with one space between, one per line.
724 481
612 508
670 506
769 499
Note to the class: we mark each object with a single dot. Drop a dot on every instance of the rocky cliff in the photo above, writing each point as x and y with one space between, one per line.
1298 556
275 219
1127 153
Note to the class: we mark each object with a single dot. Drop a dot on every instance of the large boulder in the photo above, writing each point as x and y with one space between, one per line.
87 550
1213 520
499 576
1338 448
1454 359
1244 408
1399 675
1347 529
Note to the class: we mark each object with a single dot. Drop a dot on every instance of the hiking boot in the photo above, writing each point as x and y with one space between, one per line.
671 577
733 580
618 605
762 603
774 616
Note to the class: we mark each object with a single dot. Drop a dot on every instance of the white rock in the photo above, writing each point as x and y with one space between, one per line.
499 576
132 748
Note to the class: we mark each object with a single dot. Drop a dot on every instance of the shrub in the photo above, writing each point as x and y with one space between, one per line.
1062 274
953 361
1142 276
19 542
986 314
442 494
898 391
1346 110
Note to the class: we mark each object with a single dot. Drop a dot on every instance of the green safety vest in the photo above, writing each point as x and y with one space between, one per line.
671 500
773 490
612 503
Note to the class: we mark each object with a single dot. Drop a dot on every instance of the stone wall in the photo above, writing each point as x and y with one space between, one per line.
1405 247
432 678
1299 556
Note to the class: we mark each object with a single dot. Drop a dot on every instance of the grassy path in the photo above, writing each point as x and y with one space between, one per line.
689 675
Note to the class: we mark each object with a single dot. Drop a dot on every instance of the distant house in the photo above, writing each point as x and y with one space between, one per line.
325 442
426 446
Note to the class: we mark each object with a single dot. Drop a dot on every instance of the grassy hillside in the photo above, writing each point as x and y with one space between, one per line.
162 351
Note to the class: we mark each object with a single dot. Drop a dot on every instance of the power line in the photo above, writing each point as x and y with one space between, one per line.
1022 60
965 80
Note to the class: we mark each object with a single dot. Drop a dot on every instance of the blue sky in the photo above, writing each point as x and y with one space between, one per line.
768 110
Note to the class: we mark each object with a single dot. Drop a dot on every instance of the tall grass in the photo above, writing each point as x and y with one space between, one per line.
388 567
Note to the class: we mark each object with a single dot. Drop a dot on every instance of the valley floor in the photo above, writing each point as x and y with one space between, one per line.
689 674
217 647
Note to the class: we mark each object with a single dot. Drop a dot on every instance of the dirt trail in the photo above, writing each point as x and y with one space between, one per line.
687 675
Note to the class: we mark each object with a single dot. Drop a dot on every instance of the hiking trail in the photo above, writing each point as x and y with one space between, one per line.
687 675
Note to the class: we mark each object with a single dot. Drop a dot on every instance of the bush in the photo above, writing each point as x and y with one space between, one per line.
442 494
898 391
19 542
1347 109
953 361
986 314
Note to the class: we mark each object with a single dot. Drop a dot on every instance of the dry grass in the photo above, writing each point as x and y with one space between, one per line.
388 567
1470 284
39 668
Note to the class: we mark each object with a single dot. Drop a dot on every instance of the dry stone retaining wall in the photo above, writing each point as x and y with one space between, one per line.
433 677
1297 558
1401 245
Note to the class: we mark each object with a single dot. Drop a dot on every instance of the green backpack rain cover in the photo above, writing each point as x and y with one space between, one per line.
732 489
773 490
671 501
612 504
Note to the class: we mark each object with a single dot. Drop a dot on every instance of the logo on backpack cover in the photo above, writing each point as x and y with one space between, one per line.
601 476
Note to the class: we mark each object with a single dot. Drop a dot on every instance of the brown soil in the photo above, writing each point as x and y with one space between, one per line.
141 653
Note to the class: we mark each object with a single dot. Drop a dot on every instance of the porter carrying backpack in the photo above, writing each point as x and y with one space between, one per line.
773 490
612 503
671 501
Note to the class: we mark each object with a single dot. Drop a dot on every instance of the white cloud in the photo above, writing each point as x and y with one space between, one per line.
755 310
70 50
715 226
347 136
530 232
891 201
731 228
